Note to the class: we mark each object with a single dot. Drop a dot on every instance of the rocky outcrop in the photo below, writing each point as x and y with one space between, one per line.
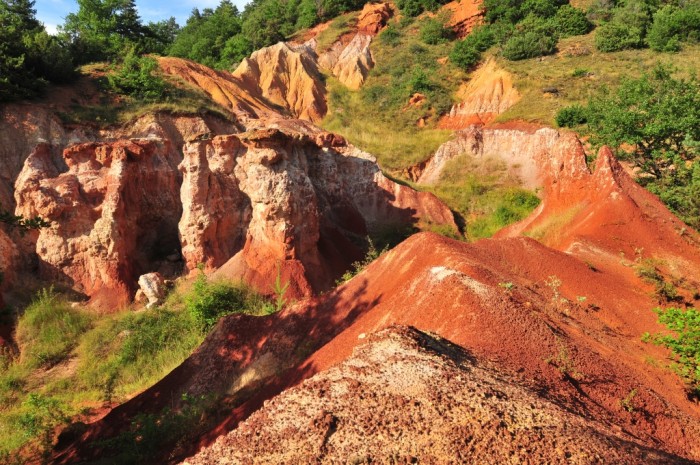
287 76
350 62
407 395
464 15
488 93
288 201
153 289
527 150
373 18
113 214
223 88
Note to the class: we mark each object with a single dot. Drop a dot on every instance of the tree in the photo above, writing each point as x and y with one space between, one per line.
103 29
654 122
29 57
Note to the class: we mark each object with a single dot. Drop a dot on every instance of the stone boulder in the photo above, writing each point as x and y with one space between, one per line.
153 288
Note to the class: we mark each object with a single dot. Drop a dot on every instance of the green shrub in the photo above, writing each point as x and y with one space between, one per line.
529 44
415 7
136 77
673 25
49 329
390 35
467 53
433 31
685 343
39 419
572 116
615 36
569 21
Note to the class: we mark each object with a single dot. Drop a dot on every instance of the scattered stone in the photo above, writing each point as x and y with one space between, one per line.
153 287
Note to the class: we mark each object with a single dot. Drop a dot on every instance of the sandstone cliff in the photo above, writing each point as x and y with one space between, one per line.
287 76
290 198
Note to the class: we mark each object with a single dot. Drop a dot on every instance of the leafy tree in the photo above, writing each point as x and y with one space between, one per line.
29 57
657 119
685 343
570 21
213 37
103 29
673 25
160 35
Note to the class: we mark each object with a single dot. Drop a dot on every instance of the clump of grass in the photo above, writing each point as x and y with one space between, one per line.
48 330
113 356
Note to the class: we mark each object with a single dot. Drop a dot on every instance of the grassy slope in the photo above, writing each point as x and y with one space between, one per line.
76 360
596 70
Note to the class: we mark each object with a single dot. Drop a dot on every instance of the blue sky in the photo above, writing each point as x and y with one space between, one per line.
52 12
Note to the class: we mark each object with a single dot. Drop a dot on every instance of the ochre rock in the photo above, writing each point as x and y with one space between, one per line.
349 62
285 75
373 18
464 15
488 93
288 199
113 214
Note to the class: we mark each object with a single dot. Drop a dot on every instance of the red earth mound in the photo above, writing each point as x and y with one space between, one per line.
491 297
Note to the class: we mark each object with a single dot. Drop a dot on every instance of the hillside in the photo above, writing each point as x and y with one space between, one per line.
410 232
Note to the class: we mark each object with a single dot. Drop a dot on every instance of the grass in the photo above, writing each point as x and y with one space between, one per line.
552 227
601 69
113 109
377 117
339 26
72 361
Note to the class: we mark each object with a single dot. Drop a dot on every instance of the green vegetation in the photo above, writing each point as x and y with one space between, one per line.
684 343
29 57
136 77
413 8
483 194
523 29
433 31
209 301
372 254
653 122
631 24
71 361
48 330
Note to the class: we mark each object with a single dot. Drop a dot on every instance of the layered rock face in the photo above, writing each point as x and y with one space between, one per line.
113 214
488 93
350 58
287 76
464 15
528 150
293 201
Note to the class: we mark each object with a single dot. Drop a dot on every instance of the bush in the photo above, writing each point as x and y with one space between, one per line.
467 53
685 343
615 36
415 7
49 330
433 32
390 35
570 21
572 116
529 44
673 25
136 77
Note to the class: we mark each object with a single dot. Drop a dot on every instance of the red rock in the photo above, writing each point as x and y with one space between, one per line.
113 214
373 18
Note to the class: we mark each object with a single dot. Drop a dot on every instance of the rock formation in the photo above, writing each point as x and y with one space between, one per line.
488 93
113 214
464 15
287 76
152 287
528 150
373 18
281 198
